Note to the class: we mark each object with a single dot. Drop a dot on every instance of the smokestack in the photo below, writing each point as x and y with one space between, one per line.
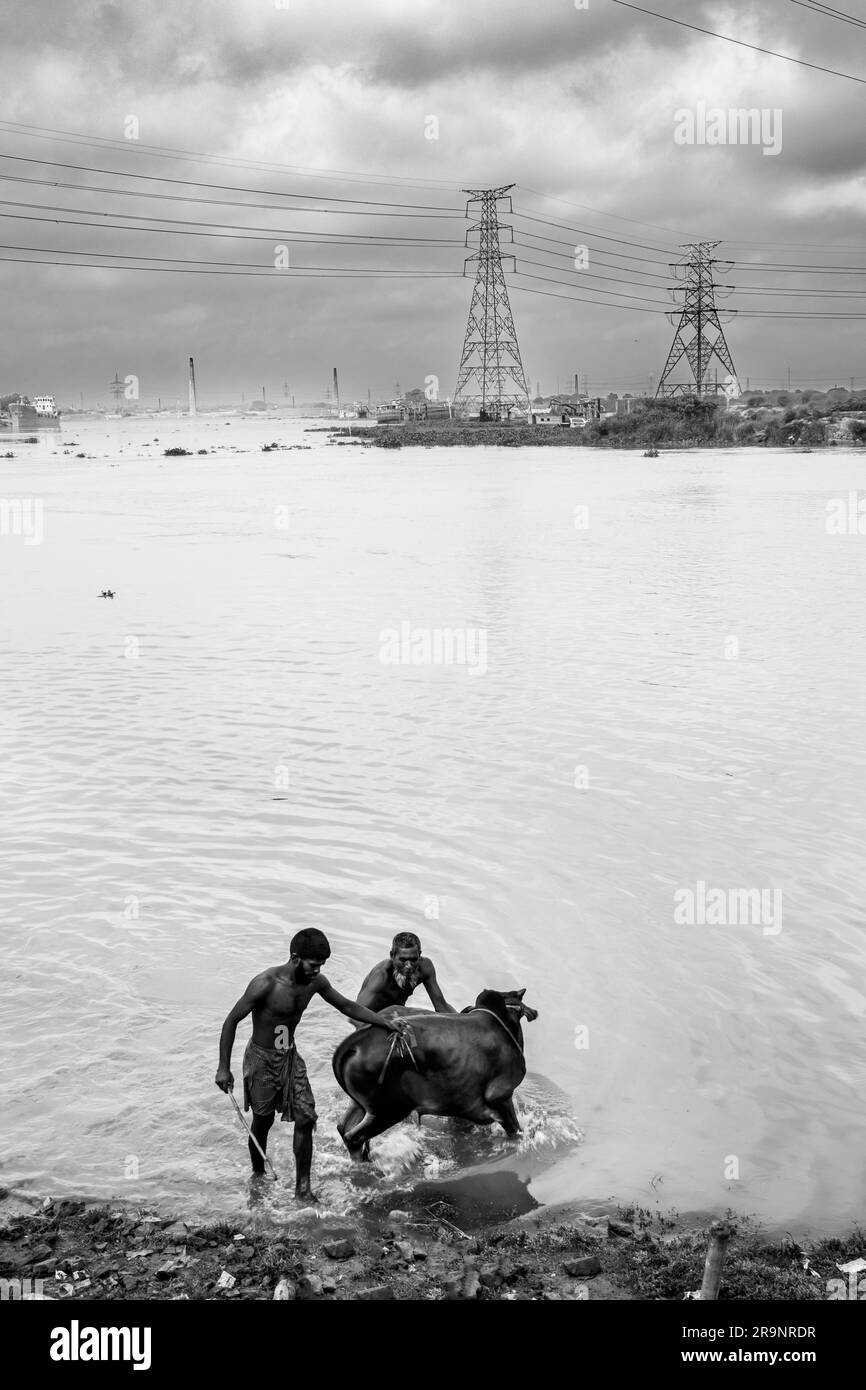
576 384
336 390
192 402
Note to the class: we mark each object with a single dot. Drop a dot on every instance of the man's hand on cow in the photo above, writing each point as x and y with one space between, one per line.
397 1025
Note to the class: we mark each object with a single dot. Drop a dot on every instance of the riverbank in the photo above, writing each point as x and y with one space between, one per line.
670 423
416 1251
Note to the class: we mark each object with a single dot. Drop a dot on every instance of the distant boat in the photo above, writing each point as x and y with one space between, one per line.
23 414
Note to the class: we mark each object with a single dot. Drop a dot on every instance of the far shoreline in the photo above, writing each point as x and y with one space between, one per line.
405 436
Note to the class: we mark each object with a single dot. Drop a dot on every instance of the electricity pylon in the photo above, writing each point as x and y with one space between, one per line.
699 336
491 373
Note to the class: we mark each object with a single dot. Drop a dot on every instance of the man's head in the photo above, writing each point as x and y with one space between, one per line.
309 949
405 958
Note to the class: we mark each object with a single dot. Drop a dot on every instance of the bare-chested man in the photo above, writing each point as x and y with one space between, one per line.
275 1077
392 981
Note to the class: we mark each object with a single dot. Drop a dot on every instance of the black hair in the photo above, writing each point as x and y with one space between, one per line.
405 940
310 944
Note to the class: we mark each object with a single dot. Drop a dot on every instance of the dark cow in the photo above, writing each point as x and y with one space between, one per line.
466 1065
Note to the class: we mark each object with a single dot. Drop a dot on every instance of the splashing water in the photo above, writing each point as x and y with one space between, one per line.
440 1148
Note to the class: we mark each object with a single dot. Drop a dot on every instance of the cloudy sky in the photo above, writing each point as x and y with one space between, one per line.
254 118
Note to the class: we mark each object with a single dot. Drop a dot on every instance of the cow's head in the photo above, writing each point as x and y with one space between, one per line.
508 1006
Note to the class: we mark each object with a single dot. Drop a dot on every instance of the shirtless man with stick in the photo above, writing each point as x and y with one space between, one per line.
275 1077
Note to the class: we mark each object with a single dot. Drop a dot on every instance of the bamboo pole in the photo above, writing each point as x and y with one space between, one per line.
268 1163
720 1234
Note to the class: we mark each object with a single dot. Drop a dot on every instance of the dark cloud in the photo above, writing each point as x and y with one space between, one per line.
579 105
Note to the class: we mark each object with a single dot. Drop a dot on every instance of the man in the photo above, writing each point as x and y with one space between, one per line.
275 1077
393 980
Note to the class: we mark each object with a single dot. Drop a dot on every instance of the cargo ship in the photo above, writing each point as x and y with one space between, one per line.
22 415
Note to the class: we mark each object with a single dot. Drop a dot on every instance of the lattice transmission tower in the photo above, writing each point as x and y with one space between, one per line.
491 374
699 337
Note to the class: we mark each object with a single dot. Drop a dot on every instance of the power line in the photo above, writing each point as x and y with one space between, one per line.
215 202
329 273
216 187
581 231
623 255
737 289
562 255
662 304
829 13
234 233
741 43
247 265
186 156
182 227
171 270
796 269
583 207
791 314
580 299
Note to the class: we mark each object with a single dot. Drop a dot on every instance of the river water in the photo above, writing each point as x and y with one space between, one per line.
663 687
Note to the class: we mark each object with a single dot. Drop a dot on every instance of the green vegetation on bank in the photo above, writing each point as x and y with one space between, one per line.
687 422
801 419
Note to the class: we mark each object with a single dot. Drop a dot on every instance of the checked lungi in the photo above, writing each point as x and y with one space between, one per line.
275 1079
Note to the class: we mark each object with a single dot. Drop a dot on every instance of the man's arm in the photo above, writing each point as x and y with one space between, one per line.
373 985
357 1011
255 991
431 984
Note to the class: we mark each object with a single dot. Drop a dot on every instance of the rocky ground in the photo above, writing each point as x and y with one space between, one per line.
82 1252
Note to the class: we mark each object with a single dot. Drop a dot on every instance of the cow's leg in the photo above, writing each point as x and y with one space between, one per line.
353 1117
507 1116
372 1125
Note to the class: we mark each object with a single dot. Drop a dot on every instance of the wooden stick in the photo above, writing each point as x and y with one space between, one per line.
720 1234
231 1097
